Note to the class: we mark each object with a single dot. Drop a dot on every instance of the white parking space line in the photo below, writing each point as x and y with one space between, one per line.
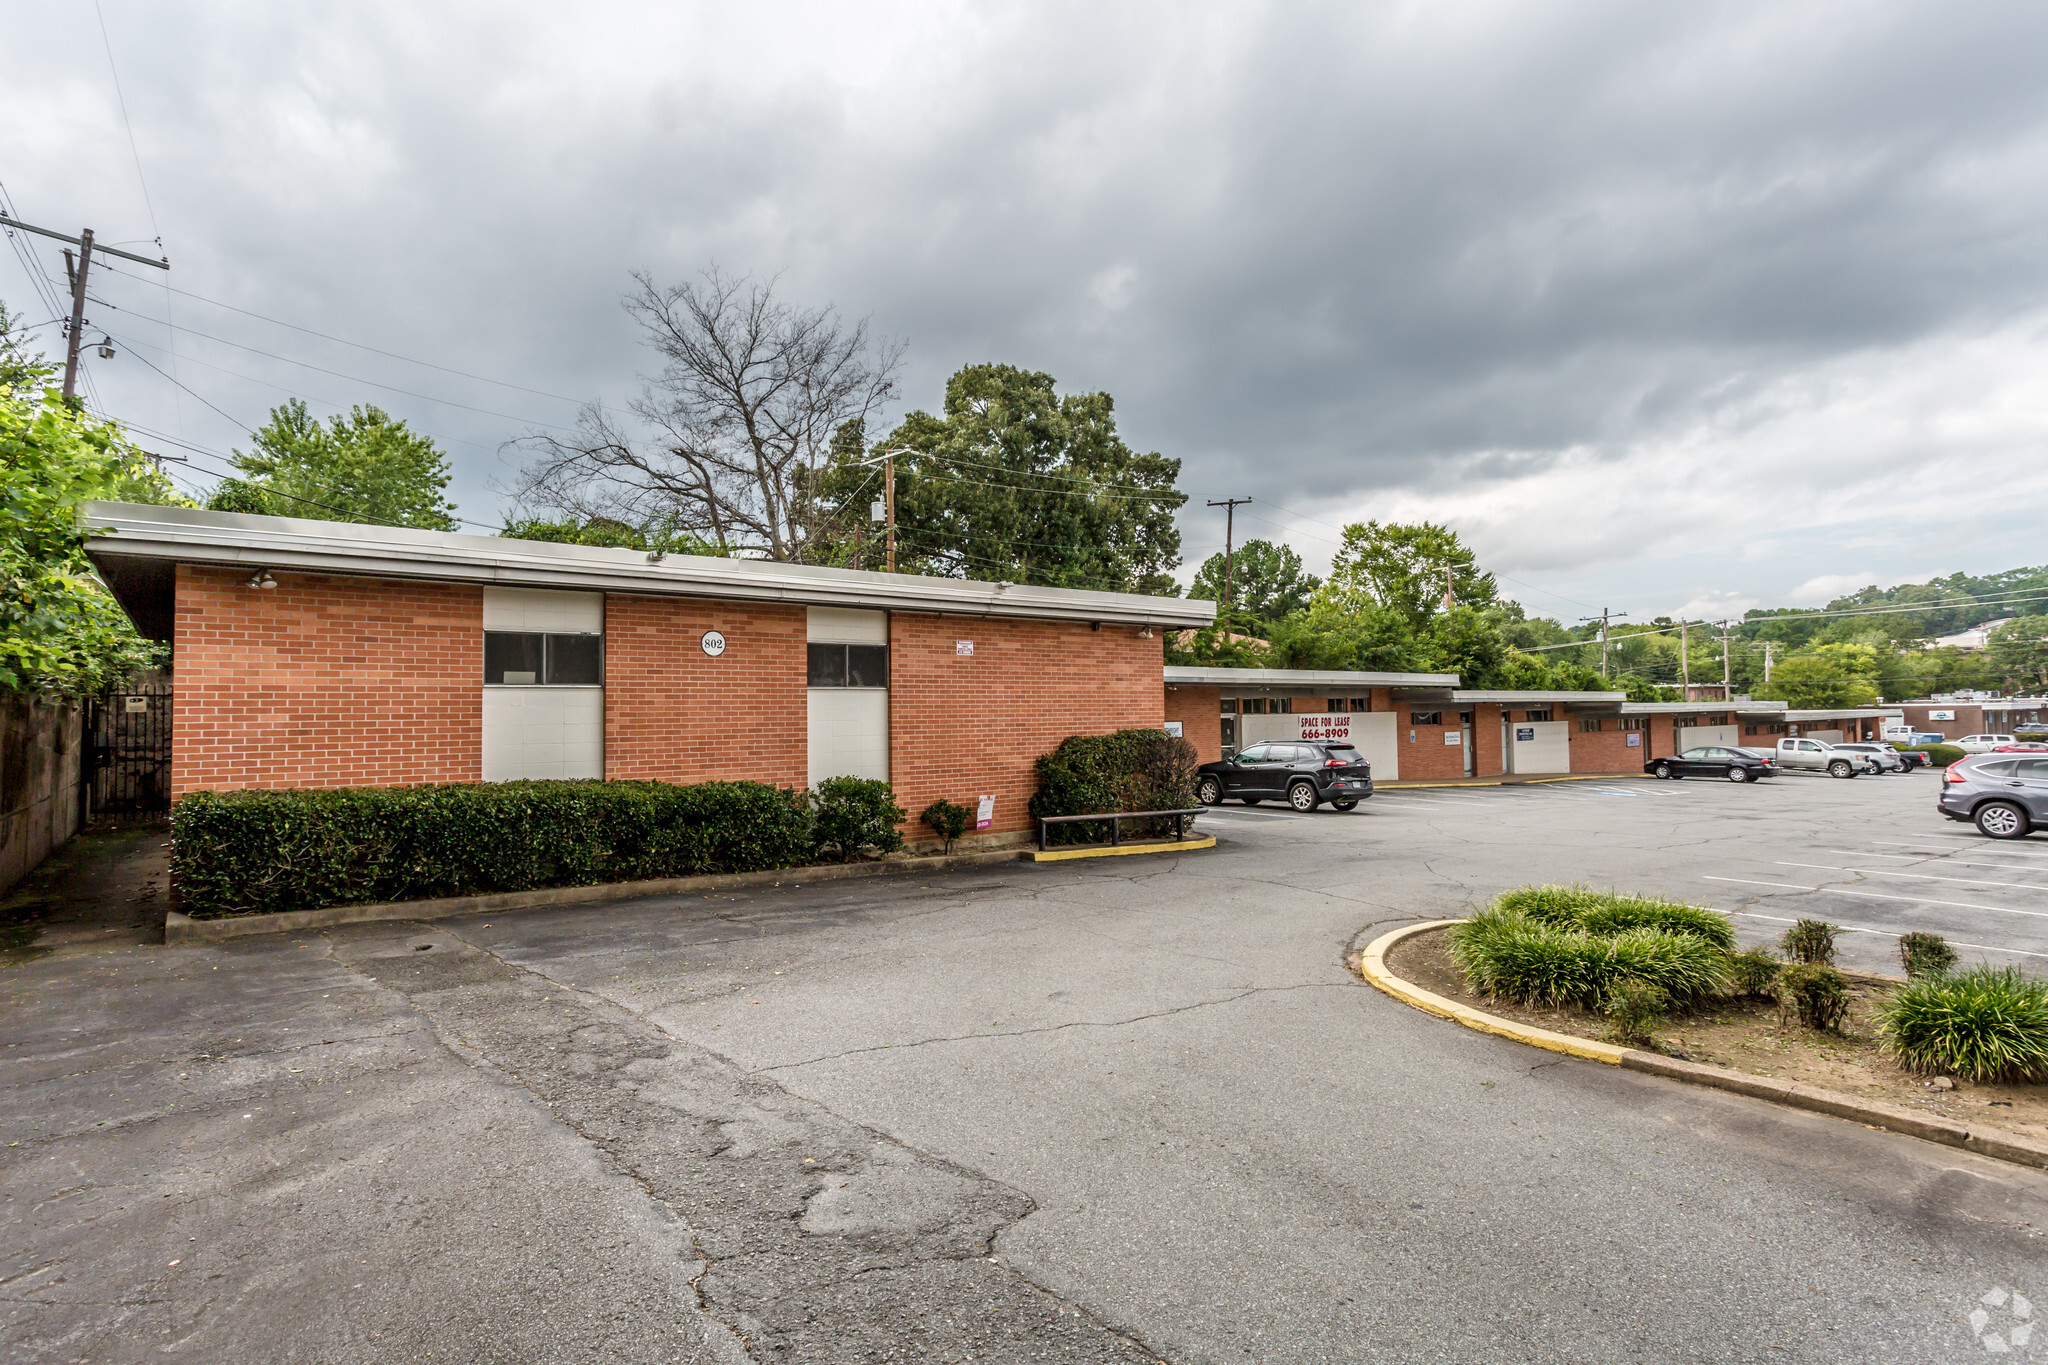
1973 838
1926 900
1883 933
1751 881
1915 876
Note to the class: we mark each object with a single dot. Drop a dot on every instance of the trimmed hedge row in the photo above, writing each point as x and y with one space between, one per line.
258 852
1129 770
1938 755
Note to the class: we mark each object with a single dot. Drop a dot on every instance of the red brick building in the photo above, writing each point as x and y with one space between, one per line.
329 654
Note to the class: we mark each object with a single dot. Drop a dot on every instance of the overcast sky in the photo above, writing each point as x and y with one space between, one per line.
1665 308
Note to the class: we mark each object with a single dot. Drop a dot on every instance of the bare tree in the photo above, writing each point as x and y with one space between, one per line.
730 435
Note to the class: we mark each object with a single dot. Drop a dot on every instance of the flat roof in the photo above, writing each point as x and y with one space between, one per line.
1520 697
1302 677
1851 713
141 542
1773 709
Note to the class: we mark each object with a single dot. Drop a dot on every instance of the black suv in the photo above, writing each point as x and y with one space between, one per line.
1305 774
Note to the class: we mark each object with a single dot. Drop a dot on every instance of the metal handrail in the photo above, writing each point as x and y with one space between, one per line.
1115 818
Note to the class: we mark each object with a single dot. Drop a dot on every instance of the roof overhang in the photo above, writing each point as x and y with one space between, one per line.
1258 679
138 545
1855 713
1773 709
1518 697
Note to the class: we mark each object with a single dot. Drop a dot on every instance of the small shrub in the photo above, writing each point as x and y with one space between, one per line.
854 813
947 820
1130 770
1925 954
1755 972
1938 755
1817 993
1519 958
1811 941
1983 1024
1632 1008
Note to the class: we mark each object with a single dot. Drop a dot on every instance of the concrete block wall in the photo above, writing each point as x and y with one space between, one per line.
675 714
41 747
324 681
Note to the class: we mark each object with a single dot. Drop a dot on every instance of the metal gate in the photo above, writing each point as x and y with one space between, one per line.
128 748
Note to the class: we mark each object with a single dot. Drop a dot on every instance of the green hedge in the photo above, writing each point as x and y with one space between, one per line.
1606 913
256 852
1938 755
1516 957
1128 770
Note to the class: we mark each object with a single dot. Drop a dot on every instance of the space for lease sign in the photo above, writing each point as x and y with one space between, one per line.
1326 728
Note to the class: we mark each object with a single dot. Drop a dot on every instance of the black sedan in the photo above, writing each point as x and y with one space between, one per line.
1305 774
1735 765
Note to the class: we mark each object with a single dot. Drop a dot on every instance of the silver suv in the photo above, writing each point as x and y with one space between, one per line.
2003 795
1883 757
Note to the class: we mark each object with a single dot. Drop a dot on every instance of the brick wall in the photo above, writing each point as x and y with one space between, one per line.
674 713
961 727
1427 758
1200 712
1606 751
324 682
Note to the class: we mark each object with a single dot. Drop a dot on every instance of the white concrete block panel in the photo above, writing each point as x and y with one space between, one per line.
1698 736
544 610
1539 746
847 626
542 732
849 733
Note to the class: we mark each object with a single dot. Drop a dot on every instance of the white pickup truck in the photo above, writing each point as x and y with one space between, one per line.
1812 755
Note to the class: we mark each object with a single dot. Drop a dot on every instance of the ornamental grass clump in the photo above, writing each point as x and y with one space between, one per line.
1606 913
1925 954
1983 1024
1516 957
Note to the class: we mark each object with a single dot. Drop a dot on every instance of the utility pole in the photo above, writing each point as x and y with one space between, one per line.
1768 644
1727 675
77 269
1602 618
1450 594
889 496
1229 506
1684 664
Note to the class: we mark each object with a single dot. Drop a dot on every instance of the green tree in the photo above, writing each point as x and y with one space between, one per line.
367 466
61 632
1017 482
1266 582
1369 638
1831 676
1405 569
609 534
2019 651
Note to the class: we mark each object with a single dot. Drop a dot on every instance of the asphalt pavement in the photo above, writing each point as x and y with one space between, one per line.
1130 1109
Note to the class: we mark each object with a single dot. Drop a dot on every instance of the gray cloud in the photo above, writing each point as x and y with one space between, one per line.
1481 262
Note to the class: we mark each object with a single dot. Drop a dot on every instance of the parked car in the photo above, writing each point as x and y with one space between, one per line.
1735 765
1305 774
2004 796
2022 746
1884 758
1818 756
1917 758
1983 744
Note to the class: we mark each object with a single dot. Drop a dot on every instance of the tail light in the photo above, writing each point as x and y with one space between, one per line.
1953 773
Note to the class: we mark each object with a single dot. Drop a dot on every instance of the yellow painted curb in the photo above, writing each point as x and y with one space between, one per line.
1060 855
1373 967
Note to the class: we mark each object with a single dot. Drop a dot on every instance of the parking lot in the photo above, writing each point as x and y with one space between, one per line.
1126 1110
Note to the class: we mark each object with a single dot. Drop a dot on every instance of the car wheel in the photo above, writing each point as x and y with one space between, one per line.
1302 796
1209 792
1663 770
1841 767
1344 805
2001 820
1738 774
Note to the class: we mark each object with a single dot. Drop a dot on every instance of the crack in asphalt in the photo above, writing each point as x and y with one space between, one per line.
1053 1028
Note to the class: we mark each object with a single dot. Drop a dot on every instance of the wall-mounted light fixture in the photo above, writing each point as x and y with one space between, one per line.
1144 632
262 579
656 556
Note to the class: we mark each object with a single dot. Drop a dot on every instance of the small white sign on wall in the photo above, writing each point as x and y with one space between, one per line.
1173 727
1325 728
985 813
1941 715
1453 738
963 649
1635 740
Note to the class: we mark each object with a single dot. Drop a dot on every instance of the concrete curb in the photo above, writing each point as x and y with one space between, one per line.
1061 855
182 929
1991 1142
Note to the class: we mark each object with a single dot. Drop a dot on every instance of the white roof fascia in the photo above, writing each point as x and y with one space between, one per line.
1519 697
193 536
1301 677
1854 713
1691 708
